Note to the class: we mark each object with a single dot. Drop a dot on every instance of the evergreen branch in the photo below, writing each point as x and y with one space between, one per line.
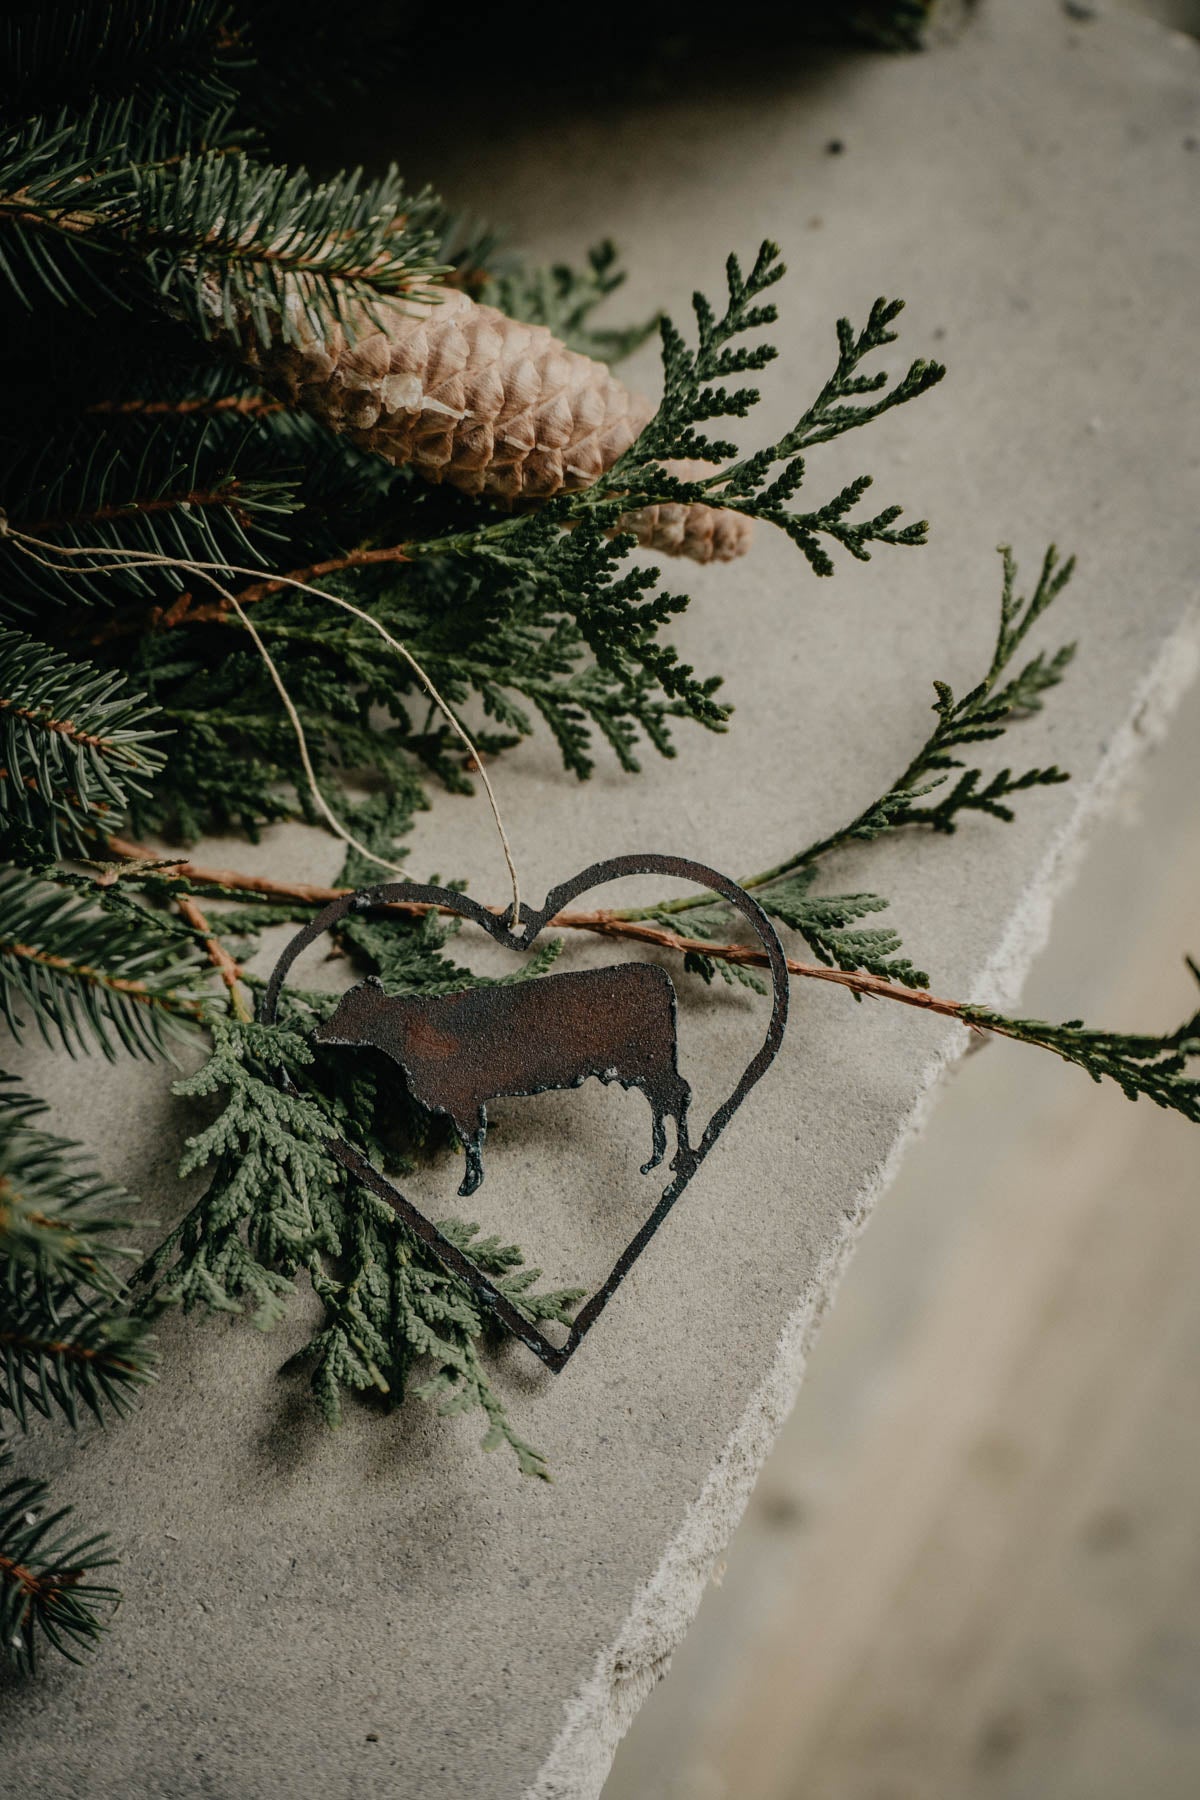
48 1589
94 1358
172 63
761 485
563 299
187 487
254 406
216 952
103 977
65 1346
1160 1068
223 239
235 242
278 1204
1148 1064
186 611
58 1218
982 715
74 749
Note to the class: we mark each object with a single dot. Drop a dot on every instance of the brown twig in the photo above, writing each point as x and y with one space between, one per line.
66 1348
600 921
218 955
43 1588
115 984
28 1582
225 495
253 405
184 610
63 727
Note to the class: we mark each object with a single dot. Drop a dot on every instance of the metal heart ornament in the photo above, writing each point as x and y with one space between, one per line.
458 1051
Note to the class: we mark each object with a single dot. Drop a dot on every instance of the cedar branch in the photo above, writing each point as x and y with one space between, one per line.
183 609
600 921
218 955
251 405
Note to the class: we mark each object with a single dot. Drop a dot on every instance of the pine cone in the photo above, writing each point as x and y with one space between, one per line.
705 533
495 407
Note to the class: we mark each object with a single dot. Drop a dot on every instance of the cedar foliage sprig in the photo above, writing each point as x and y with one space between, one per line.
1163 1069
278 1205
829 923
564 297
762 484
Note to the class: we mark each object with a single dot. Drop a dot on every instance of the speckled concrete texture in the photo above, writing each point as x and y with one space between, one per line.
384 1612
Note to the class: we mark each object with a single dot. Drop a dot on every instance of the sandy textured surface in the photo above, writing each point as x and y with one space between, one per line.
1032 193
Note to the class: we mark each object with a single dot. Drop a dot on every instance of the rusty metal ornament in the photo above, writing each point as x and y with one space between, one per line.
458 1051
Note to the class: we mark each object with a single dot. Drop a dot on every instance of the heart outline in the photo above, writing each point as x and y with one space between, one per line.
500 927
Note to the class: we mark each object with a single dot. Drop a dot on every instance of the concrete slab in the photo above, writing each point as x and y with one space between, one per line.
384 1612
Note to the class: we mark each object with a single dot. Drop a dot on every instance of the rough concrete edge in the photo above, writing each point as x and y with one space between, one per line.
601 1711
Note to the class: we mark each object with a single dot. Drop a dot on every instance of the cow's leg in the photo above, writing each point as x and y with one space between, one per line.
473 1145
660 1137
675 1106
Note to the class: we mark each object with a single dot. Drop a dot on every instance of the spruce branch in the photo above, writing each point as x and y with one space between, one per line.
60 1221
94 969
233 241
173 64
67 1345
188 487
48 1586
223 240
75 747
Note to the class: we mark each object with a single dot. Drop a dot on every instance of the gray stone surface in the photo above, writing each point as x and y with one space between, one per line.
289 1592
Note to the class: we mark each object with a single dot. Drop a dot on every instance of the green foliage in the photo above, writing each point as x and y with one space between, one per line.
94 970
230 240
983 714
172 65
278 1205
48 1589
67 1346
90 209
828 923
1165 1069
63 1345
413 959
190 487
762 484
148 244
75 748
889 24
564 298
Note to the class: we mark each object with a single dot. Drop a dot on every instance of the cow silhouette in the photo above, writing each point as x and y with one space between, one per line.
458 1051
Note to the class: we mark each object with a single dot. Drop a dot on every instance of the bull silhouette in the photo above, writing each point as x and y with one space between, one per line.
458 1051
